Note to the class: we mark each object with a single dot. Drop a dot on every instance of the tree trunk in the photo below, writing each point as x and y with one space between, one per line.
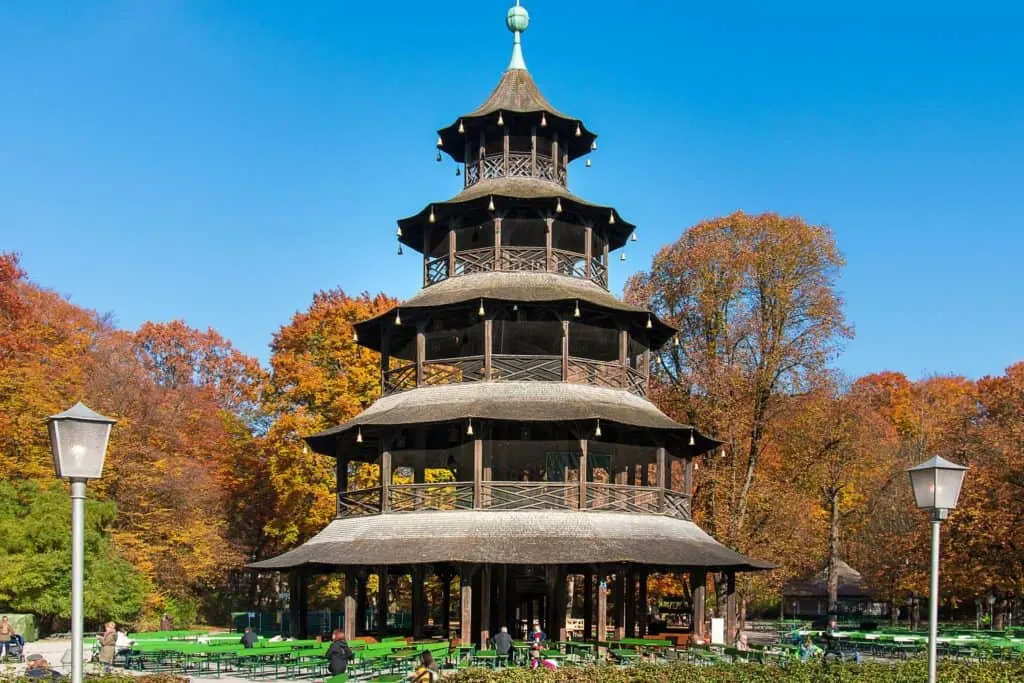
833 551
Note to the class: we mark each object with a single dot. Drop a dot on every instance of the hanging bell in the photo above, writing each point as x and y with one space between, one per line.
593 146
355 336
632 238
469 429
675 341
400 252
543 120
440 142
462 128
558 205
588 163
458 171
490 204
480 311
398 317
501 119
576 310
597 432
359 435
579 129
431 216
398 232
611 218
439 156
649 323
622 256
692 441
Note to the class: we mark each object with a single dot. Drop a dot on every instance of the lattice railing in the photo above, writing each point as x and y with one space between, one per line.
509 368
519 259
401 378
623 498
437 270
471 261
438 496
636 381
569 263
599 272
359 503
600 373
677 505
520 165
453 370
529 495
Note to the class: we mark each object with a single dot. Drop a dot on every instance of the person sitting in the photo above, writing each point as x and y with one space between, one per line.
807 649
426 672
538 636
503 644
538 660
249 638
39 668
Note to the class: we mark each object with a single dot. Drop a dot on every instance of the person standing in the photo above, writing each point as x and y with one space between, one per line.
6 635
108 646
165 622
339 654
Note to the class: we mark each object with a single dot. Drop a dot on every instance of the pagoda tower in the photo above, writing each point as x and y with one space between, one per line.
514 444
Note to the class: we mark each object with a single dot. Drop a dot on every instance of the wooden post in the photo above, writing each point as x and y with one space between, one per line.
483 154
485 604
698 588
466 605
488 347
419 602
465 181
587 250
631 604
588 605
478 471
497 244
341 475
501 589
660 478
505 161
620 603
426 256
583 474
624 356
451 252
361 602
642 604
688 485
385 351
298 605
731 631
549 255
533 151
351 603
565 350
421 353
385 478
382 602
561 600
554 155
602 607
446 603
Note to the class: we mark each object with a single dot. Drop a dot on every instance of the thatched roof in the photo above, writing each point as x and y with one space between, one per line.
517 93
513 537
517 288
516 402
851 584
470 207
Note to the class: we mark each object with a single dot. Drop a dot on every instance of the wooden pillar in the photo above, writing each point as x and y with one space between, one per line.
647 368
341 475
382 602
497 243
485 605
505 161
565 350
466 605
584 466
561 603
465 181
698 588
602 607
620 603
482 155
488 347
501 588
642 604
688 485
588 605
446 603
478 471
351 604
631 603
419 603
421 352
624 356
554 155
533 151
731 627
549 256
427 233
385 351
298 603
451 249
588 233
385 478
660 472
361 603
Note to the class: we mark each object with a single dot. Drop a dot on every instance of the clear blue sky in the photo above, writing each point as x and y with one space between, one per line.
219 161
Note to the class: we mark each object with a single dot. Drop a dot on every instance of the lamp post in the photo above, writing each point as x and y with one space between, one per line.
936 485
78 441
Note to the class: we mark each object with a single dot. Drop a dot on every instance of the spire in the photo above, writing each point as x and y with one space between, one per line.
517 20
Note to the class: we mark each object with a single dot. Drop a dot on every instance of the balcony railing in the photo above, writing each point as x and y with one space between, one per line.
516 495
516 368
514 260
520 165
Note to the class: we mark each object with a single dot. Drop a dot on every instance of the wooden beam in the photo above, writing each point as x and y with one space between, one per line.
446 603
561 600
478 471
588 233
660 477
426 256
382 602
588 605
341 476
497 243
730 608
583 473
554 155
549 255
483 153
451 252
466 605
533 151
485 606
351 603
505 150
419 603
602 607
620 603
465 181
698 589
641 616
631 603
488 347
565 349
385 478
624 356
421 353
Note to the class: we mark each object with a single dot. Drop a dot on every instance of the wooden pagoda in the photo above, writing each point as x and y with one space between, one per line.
514 442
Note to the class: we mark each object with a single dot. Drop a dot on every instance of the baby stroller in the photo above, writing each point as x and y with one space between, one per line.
16 648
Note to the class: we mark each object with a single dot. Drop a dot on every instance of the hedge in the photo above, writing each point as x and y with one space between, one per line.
905 672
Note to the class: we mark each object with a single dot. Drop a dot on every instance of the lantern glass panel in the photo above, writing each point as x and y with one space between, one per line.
923 483
81 447
947 487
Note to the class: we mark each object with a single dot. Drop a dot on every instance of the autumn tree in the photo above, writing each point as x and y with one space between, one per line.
759 317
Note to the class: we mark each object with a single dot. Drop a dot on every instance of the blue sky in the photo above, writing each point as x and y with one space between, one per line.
220 161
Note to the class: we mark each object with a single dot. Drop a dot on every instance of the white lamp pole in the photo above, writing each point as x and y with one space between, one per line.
936 485
78 441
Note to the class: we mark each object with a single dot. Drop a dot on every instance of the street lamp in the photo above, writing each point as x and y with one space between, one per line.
936 485
78 441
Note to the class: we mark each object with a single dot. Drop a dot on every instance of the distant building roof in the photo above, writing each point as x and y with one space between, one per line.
851 584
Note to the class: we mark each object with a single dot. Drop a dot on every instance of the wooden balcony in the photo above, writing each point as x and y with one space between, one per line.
511 259
514 165
493 495
516 368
